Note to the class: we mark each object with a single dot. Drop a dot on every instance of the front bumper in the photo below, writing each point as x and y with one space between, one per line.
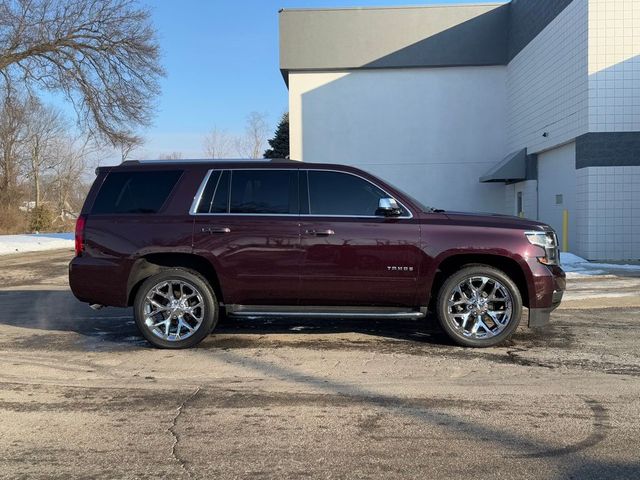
547 285
539 317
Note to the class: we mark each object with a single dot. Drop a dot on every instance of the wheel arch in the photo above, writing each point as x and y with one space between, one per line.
153 263
455 262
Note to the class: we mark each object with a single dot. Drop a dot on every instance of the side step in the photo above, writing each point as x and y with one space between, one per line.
324 312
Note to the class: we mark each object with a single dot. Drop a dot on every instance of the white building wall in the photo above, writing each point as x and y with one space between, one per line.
433 132
529 189
557 176
614 65
547 84
608 213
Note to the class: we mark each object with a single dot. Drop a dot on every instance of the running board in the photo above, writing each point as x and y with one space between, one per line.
324 312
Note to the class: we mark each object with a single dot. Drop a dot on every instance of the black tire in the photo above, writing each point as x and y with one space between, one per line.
457 331
209 308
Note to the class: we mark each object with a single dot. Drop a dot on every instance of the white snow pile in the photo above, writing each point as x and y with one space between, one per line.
576 266
35 242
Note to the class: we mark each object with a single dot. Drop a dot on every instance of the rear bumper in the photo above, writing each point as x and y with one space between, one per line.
98 281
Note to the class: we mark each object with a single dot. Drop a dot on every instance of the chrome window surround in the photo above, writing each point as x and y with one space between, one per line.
198 197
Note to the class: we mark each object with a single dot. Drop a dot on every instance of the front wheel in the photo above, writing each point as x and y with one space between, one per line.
175 308
479 306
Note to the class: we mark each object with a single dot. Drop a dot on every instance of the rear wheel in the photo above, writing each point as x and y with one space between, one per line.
479 306
175 308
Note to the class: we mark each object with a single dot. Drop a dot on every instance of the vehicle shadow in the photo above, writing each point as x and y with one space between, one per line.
58 310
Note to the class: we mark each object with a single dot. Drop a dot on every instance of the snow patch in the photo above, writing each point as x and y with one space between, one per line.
577 267
35 242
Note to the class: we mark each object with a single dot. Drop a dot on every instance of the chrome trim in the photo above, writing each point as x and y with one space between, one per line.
198 196
323 312
215 190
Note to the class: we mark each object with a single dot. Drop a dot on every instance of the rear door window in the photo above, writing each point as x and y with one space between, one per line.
264 192
215 197
209 190
135 192
220 202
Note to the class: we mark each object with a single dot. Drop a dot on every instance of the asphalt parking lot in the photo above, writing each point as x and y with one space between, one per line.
83 396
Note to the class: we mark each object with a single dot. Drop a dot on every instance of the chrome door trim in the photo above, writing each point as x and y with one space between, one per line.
198 197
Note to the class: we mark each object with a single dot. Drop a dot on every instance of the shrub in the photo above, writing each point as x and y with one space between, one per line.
41 219
12 221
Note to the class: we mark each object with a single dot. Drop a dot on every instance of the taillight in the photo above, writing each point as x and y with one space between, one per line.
80 223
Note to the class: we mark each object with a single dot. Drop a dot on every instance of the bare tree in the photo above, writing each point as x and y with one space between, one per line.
218 144
128 145
170 156
254 141
12 134
102 55
44 126
67 185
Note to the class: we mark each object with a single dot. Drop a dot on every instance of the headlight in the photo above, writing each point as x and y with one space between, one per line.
549 242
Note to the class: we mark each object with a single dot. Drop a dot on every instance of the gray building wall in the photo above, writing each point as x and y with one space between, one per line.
460 35
401 37
608 149
528 18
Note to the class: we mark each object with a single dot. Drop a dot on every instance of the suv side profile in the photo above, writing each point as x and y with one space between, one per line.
186 242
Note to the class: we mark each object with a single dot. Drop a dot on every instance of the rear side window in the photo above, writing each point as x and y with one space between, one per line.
215 198
335 193
135 192
264 192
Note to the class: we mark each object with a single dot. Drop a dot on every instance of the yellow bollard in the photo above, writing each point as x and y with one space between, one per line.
565 230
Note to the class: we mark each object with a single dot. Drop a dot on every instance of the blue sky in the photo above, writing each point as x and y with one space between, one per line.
221 59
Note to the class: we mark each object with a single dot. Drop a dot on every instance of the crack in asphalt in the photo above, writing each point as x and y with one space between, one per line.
176 435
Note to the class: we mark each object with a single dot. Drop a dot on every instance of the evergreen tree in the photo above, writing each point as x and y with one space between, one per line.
280 141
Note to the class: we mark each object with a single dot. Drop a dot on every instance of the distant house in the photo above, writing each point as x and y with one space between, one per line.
528 108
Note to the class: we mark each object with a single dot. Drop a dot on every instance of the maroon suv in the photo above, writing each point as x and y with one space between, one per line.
183 242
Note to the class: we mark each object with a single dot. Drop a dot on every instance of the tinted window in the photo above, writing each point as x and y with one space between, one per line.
207 194
220 202
264 191
335 193
135 192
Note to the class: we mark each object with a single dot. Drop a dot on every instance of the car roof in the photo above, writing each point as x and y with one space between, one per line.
200 161
232 163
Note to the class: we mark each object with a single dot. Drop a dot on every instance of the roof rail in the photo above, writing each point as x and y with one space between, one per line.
211 160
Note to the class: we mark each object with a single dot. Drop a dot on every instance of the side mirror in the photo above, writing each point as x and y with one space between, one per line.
388 207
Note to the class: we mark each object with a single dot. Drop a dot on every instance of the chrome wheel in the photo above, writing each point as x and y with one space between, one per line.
173 310
480 307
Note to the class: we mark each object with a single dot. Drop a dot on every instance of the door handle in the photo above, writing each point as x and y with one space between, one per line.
321 233
216 230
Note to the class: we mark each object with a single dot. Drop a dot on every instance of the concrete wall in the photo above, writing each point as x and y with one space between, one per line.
433 132
557 176
529 189
614 65
608 200
547 84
